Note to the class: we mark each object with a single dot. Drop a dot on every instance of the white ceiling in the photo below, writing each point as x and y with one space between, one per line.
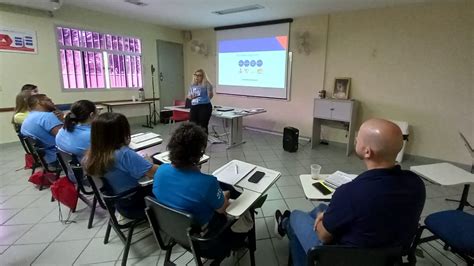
195 14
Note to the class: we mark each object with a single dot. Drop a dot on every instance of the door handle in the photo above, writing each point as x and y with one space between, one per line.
161 76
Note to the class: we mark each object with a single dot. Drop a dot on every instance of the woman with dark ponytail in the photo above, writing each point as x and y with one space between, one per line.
75 136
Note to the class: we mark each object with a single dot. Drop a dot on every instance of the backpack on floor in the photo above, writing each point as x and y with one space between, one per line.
41 178
65 192
29 161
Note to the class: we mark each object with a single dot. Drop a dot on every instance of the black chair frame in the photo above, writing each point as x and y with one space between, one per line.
335 255
36 161
107 201
193 233
70 163
418 240
38 154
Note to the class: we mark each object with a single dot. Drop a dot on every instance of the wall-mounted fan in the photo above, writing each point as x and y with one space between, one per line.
199 48
303 43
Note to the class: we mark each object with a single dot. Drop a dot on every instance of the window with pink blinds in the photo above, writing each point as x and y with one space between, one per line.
96 60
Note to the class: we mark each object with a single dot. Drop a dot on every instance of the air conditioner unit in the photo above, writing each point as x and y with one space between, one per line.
48 5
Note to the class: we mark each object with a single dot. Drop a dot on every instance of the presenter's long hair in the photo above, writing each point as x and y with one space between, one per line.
81 111
109 132
187 145
205 78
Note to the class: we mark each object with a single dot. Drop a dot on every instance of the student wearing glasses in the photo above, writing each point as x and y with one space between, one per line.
21 106
200 92
43 125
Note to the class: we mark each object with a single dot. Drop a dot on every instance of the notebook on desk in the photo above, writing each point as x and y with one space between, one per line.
233 172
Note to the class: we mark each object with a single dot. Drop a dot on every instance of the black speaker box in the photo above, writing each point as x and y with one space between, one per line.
290 139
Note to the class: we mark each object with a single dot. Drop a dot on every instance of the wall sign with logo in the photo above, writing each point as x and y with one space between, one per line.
18 41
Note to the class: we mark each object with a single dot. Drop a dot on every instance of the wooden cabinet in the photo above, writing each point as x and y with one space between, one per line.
334 110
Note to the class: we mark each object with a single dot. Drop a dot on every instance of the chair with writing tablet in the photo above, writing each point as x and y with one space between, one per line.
172 227
109 201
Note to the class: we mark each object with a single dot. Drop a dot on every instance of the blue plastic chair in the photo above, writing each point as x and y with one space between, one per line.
455 228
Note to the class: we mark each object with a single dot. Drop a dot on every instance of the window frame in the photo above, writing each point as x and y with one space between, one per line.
95 50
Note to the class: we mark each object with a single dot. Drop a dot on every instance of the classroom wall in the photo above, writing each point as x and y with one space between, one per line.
43 68
411 63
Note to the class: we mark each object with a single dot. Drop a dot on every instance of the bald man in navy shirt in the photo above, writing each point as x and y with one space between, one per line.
379 208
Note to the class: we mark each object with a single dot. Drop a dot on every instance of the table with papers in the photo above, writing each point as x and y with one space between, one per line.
238 177
331 182
142 141
232 117
310 191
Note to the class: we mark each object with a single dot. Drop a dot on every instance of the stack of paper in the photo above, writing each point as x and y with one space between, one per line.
138 138
338 179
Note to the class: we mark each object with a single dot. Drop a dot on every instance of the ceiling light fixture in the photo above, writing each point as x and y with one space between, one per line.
55 4
136 2
237 9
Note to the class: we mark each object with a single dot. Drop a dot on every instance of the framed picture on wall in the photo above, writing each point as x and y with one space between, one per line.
341 88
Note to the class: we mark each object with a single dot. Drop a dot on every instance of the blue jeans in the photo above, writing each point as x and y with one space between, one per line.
299 228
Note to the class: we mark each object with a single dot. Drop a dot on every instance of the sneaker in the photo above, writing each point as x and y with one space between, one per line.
279 231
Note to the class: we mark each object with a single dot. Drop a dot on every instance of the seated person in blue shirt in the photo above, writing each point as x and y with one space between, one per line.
43 125
110 157
75 136
181 186
379 208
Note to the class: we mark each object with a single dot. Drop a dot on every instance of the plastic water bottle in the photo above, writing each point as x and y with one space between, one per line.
141 94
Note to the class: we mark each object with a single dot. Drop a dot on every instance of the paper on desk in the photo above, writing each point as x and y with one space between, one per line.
164 157
138 138
267 180
144 144
242 203
228 174
149 151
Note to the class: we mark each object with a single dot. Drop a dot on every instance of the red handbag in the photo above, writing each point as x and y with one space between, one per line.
41 178
29 161
64 191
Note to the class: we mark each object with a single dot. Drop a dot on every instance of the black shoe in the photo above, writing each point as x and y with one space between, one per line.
279 231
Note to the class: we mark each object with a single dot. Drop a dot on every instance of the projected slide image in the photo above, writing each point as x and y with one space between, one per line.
253 62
